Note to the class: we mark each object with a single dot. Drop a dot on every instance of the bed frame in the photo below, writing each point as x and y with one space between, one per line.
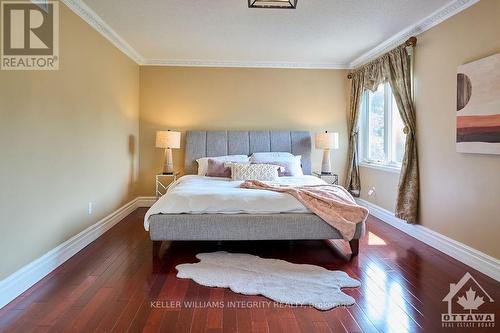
220 227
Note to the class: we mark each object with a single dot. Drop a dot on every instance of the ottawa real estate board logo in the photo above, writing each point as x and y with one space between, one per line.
469 305
29 35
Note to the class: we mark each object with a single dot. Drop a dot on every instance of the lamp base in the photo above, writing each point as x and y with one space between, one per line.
326 166
168 167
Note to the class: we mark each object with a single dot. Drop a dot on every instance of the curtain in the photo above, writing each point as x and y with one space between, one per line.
399 70
353 182
393 67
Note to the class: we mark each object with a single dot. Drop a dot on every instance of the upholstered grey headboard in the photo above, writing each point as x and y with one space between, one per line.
220 143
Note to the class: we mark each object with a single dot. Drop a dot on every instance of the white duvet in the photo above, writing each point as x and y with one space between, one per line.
209 195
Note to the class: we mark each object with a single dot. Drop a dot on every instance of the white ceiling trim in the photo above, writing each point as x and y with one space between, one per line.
430 21
95 21
249 64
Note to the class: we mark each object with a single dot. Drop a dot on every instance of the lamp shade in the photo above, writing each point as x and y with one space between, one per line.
168 139
327 140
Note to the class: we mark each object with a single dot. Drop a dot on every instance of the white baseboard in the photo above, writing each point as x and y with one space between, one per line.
21 280
459 251
145 201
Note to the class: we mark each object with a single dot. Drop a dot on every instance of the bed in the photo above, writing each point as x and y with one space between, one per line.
219 217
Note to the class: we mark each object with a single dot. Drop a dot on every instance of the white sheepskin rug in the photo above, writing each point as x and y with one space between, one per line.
278 280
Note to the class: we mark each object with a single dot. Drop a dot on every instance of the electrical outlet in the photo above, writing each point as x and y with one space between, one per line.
372 192
89 210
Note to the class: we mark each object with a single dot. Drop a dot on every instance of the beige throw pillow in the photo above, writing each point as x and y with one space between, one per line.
262 172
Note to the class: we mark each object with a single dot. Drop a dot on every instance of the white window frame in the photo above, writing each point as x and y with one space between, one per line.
388 164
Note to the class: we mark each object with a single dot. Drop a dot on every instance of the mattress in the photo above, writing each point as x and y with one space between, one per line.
194 194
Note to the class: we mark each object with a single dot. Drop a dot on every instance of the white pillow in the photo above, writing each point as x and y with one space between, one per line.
271 154
203 162
291 163
262 172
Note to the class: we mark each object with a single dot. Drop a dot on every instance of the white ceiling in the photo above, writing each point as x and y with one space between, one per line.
319 33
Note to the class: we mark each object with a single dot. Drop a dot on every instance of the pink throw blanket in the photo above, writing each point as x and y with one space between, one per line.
332 203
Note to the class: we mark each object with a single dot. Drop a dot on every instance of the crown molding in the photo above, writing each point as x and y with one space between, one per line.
247 64
96 22
425 24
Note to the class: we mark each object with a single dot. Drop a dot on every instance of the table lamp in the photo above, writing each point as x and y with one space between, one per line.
327 141
168 140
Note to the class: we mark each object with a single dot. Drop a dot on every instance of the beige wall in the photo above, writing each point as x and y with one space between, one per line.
460 193
181 98
67 138
385 184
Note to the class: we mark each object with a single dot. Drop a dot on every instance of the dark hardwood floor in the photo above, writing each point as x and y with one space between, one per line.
114 285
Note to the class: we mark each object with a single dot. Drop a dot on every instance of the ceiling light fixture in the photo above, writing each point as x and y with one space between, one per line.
279 4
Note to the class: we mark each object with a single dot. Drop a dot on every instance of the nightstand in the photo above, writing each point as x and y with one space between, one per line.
330 179
163 182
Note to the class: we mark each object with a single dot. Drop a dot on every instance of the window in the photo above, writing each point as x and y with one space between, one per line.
382 141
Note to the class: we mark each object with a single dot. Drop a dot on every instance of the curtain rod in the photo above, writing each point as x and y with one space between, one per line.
412 41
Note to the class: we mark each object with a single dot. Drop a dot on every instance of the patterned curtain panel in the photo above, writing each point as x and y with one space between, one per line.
393 67
399 69
353 181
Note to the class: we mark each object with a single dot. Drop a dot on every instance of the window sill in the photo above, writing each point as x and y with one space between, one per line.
381 167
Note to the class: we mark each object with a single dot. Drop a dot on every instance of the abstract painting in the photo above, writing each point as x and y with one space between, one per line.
478 106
